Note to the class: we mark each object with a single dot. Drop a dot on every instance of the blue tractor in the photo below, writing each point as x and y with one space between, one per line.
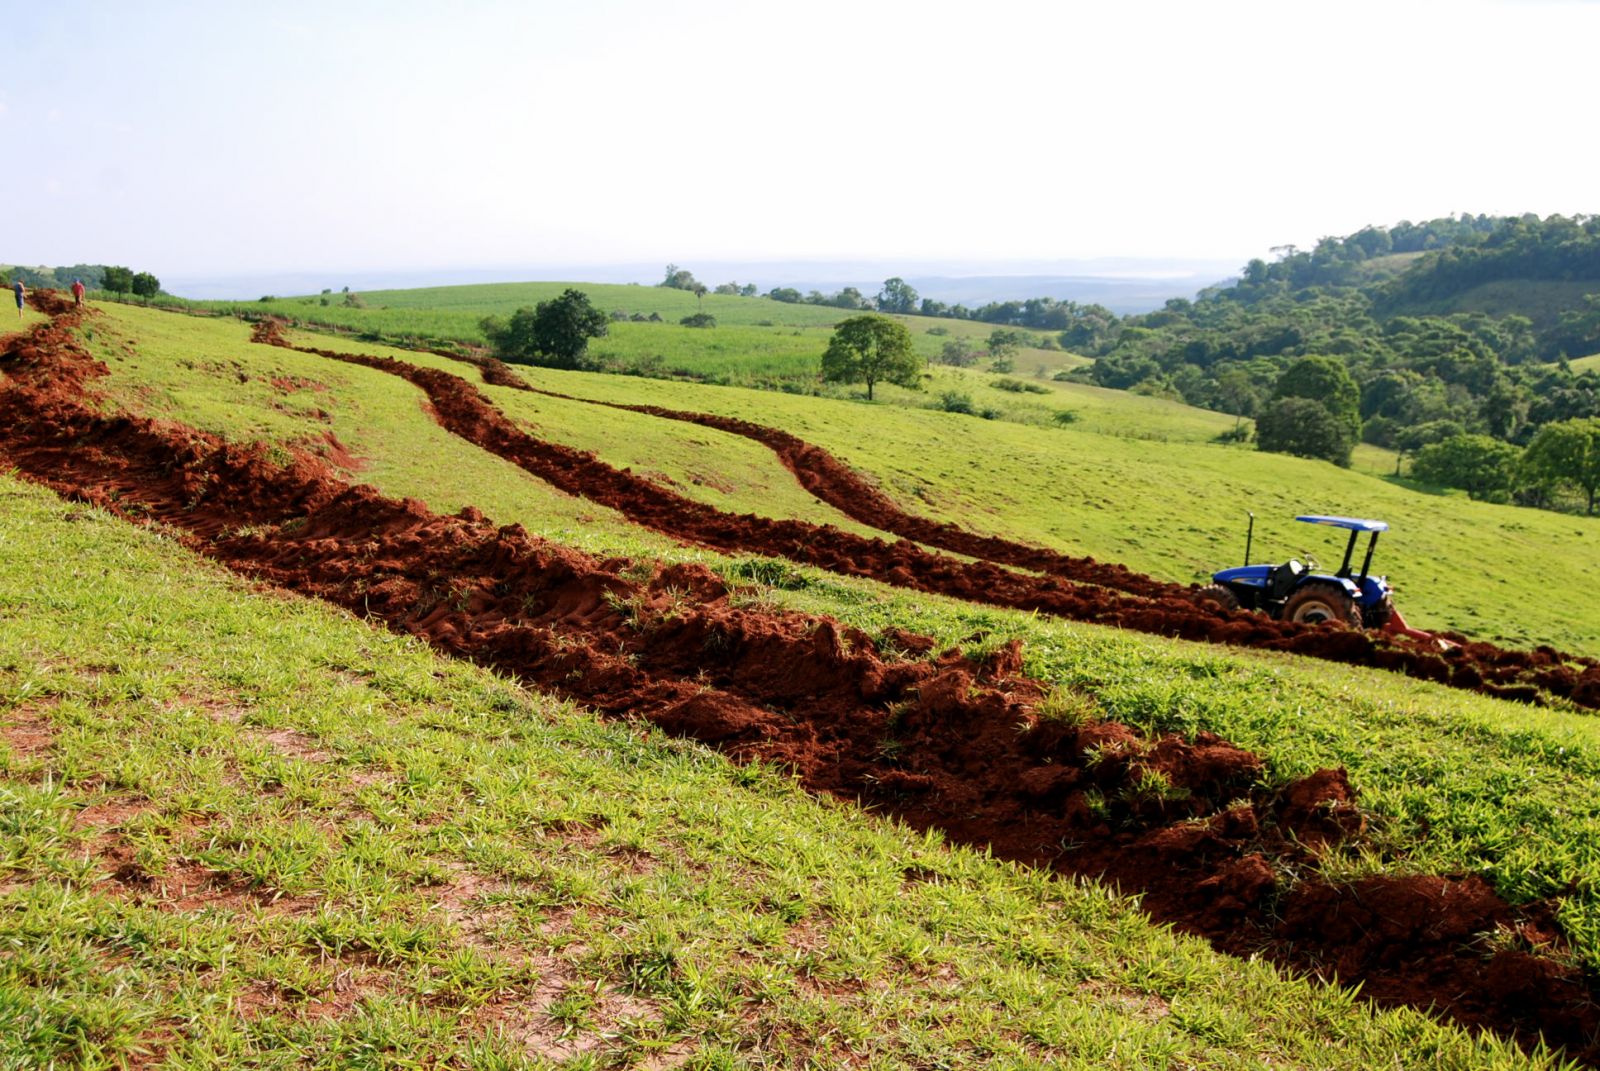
1299 592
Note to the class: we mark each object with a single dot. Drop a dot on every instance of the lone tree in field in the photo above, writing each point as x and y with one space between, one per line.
1567 452
145 285
865 349
556 334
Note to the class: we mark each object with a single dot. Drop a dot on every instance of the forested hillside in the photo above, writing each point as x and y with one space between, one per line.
1454 334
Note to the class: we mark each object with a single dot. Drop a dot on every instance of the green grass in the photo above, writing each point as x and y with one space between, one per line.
1107 485
1586 364
11 323
1455 783
1540 300
1175 509
246 830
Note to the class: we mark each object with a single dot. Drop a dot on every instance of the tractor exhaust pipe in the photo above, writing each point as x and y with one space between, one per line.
1249 537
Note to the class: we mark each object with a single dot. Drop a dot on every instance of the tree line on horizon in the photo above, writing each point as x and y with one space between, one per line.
108 277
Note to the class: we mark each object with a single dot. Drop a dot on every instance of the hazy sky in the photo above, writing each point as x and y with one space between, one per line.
218 138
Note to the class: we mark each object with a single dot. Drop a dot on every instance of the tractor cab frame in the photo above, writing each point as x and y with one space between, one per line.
1293 592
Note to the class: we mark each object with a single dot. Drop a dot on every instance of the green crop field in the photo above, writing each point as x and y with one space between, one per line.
167 714
757 341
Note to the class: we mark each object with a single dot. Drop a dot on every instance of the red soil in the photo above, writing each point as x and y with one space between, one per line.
951 743
1080 589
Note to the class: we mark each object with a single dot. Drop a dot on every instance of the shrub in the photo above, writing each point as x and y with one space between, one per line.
699 319
1002 364
954 401
938 330
958 352
1065 417
1017 386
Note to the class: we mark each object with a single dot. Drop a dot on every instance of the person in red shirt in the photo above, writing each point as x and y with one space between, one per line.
77 291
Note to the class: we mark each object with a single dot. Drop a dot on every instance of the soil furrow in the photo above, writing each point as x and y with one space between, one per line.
949 743
463 410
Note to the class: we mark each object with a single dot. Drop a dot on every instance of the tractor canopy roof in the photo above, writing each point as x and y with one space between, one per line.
1355 524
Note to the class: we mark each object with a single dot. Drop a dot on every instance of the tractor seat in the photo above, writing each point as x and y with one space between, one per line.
1283 579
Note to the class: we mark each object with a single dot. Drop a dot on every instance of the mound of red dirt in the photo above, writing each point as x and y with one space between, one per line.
1079 589
952 743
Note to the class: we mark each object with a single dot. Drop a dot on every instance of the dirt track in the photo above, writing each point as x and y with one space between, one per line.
1073 589
815 696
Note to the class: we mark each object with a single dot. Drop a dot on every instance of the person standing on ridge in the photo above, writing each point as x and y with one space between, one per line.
77 291
21 294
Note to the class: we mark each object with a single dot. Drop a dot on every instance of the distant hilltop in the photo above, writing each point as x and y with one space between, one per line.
1121 284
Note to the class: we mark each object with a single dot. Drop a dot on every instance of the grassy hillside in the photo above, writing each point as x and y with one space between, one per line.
252 831
116 711
1540 300
11 323
1520 804
1102 486
757 341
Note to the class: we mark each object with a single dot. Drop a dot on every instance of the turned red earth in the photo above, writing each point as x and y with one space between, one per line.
1080 589
971 755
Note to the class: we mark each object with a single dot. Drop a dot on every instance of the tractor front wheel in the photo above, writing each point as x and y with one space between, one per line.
1220 594
1315 604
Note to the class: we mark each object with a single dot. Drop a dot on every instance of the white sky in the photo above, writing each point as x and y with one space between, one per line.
215 138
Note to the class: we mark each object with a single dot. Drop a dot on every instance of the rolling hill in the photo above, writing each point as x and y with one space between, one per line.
321 838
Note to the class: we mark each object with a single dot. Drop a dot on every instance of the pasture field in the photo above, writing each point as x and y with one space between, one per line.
11 323
1540 300
1098 487
1589 364
757 341
250 830
1453 783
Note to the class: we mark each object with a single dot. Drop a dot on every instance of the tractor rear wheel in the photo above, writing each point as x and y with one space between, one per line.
1220 594
1315 604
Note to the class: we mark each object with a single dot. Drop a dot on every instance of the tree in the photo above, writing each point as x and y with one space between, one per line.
1304 428
1324 380
145 285
1567 453
869 348
897 296
117 280
679 278
1482 466
556 334
1237 392
959 352
787 294
1004 342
